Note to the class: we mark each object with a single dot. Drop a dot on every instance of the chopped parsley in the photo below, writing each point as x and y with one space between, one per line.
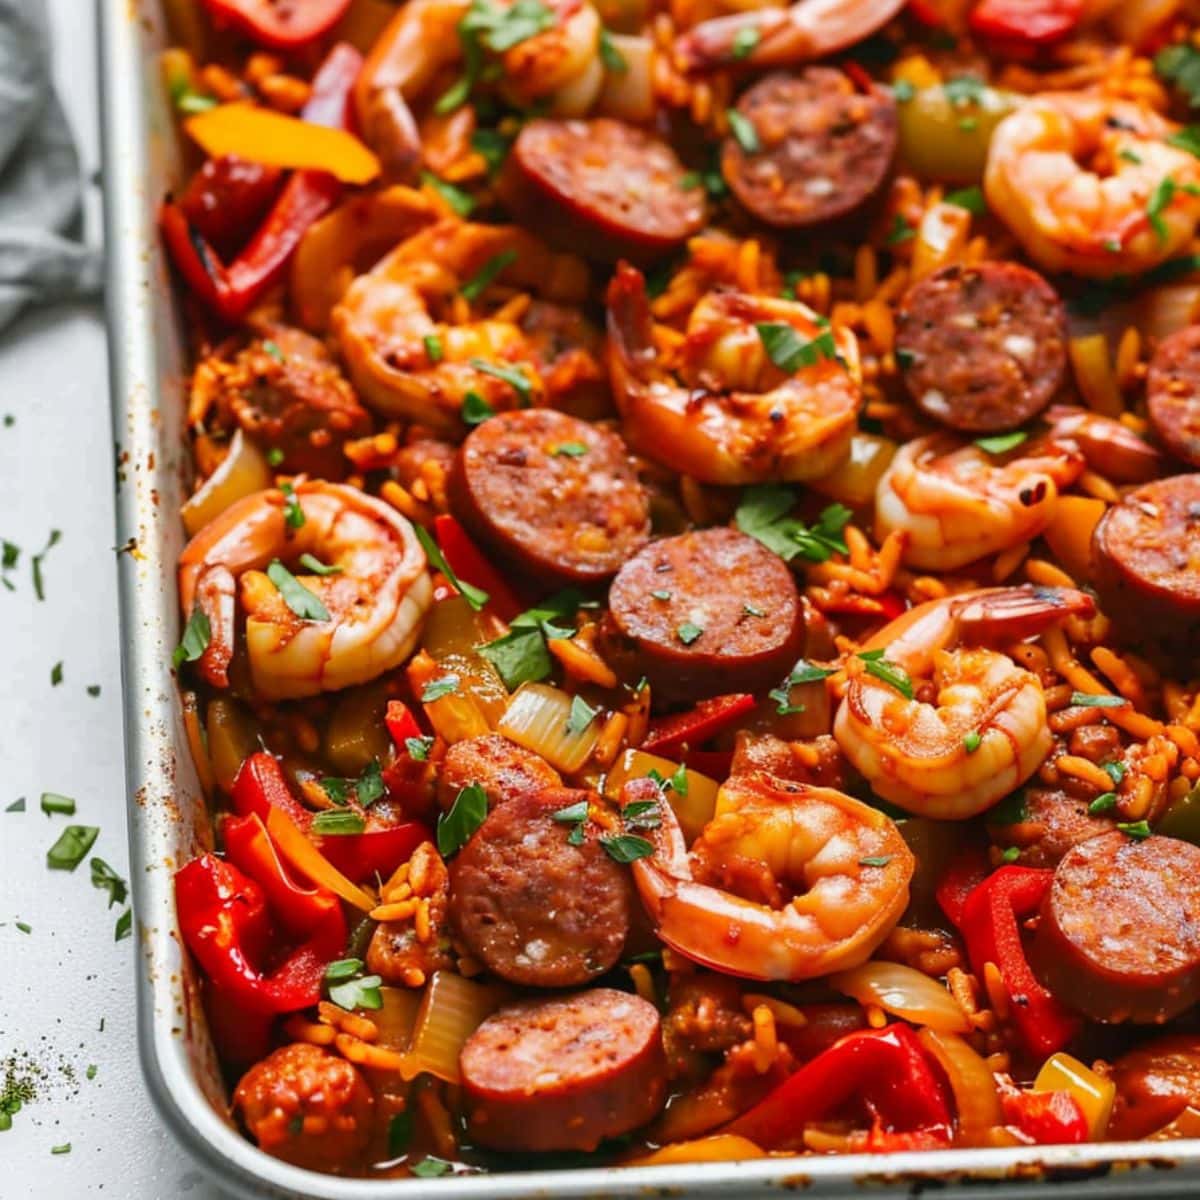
572 814
1012 810
1180 64
459 202
399 1133
124 926
293 514
903 91
430 1167
492 145
570 450
338 822
107 880
1115 771
349 988
1011 854
614 61
418 748
56 674
744 42
661 594
305 604
1102 803
1187 138
1138 830
274 456
513 376
466 814
964 89
1127 155
475 597
435 689
479 283
582 714
52 803
789 352
1087 700
433 347
644 814
743 132
196 636
802 672
764 514
475 409
971 198
901 231
1159 202
971 741
274 351
887 672
36 563
522 655
317 567
71 848
688 632
626 847
875 860
1001 443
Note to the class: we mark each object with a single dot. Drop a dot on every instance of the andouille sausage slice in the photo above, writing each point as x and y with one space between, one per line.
1173 393
504 770
982 348
1155 1083
1119 934
554 496
1146 566
809 148
705 613
564 1073
1052 824
533 908
607 189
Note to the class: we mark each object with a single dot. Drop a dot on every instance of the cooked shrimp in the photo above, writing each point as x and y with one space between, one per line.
375 599
807 30
1089 184
836 875
983 732
407 353
560 66
728 414
1106 444
958 504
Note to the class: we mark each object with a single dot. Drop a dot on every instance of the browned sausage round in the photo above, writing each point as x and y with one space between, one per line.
605 189
555 496
1155 1083
982 348
1173 393
503 770
809 148
531 907
564 1073
306 1106
704 613
1053 823
1146 566
1119 935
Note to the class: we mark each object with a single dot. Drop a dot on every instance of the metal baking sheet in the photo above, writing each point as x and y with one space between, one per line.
168 823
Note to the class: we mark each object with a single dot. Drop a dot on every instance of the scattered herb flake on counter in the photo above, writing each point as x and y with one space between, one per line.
614 61
72 846
56 674
1001 443
53 802
626 847
93 689
293 514
317 567
475 409
122 930
582 714
17 806
887 672
1088 700
467 813
305 604
106 879
196 636
475 597
743 131
459 202
23 926
36 566
435 689
90 1073
337 822
9 420
476 286
65 1148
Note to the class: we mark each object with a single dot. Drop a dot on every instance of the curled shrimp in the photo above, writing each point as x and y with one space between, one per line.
376 594
983 730
726 413
1106 444
957 504
830 876
409 351
1090 184
806 30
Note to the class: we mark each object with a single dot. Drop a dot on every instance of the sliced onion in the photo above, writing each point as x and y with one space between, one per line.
1094 374
452 1008
1162 310
629 94
575 98
693 809
243 472
904 992
972 1082
537 718
854 481
396 1018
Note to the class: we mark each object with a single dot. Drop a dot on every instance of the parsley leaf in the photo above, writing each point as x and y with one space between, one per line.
743 132
459 202
418 748
1187 138
435 689
802 672
475 597
467 813
1103 803
350 990
513 376
626 847
520 656
475 409
293 514
688 632
789 352
1180 64
1087 700
196 636
338 822
887 672
1160 201
875 860
1001 443
317 567
744 42
614 61
570 450
305 604
71 848
478 284
582 714
970 198
107 880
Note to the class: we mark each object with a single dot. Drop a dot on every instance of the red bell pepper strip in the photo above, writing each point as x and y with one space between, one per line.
401 724
1026 23
249 848
885 1068
225 923
715 764
242 1037
1049 1118
260 786
467 562
992 933
231 290
964 874
667 735
228 198
280 26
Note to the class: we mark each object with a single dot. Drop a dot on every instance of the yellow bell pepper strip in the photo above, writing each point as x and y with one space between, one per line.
1093 1093
275 140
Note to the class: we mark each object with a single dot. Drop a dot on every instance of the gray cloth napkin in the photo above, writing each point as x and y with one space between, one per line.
41 255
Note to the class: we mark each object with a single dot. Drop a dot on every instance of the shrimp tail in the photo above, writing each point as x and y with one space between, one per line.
216 599
630 329
1019 612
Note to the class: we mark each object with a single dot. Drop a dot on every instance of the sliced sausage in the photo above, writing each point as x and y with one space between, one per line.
554 496
605 189
982 348
1053 824
1155 1083
306 1106
503 770
812 147
704 613
1119 935
533 908
1146 567
1173 393
564 1073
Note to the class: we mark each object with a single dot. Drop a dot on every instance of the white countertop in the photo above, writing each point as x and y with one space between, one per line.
60 980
